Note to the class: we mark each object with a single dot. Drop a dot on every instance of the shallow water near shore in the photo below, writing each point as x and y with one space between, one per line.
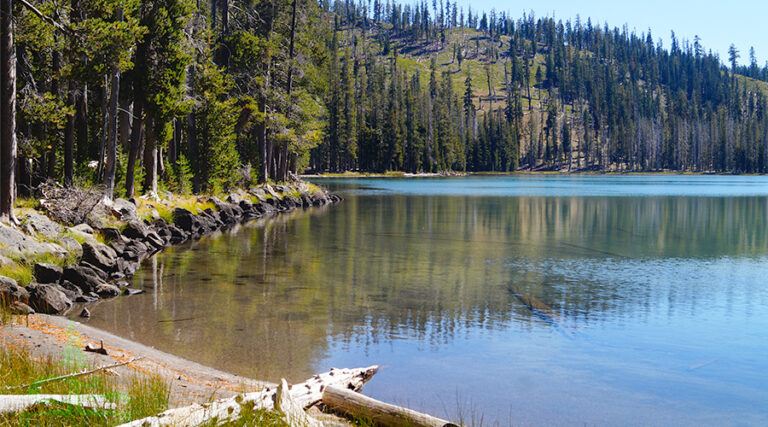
526 300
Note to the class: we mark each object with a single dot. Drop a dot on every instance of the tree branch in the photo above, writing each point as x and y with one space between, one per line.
46 18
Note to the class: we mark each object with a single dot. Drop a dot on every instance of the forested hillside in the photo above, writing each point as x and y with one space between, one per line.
184 95
488 92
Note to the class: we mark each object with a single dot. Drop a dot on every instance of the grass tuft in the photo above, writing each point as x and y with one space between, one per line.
141 396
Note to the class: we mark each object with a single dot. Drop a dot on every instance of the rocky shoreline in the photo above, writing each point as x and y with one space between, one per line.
110 254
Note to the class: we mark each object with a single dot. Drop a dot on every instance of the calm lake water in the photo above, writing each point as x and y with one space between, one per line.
592 300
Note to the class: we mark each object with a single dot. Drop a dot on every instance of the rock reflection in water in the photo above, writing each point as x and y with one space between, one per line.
640 287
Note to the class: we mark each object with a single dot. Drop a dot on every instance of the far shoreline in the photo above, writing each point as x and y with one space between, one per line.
401 175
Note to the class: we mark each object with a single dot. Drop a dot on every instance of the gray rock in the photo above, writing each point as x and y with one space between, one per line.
10 291
82 277
135 230
85 313
48 299
132 291
82 228
48 273
185 220
14 242
100 255
129 268
71 245
233 198
111 234
71 291
106 290
124 210
42 224
21 309
154 240
99 272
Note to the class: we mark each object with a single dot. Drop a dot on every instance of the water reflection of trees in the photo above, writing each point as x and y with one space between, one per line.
268 299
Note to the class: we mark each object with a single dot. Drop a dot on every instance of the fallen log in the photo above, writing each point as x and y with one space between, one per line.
356 405
293 413
10 403
227 410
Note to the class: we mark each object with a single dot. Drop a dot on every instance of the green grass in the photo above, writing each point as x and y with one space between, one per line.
136 397
23 268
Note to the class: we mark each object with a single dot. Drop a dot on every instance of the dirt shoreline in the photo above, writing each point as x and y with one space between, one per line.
62 338
57 337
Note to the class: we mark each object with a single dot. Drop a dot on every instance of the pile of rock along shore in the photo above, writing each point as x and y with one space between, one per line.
103 270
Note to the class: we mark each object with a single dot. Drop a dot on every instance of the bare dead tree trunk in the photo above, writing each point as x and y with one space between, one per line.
7 113
150 156
104 127
69 138
136 137
109 175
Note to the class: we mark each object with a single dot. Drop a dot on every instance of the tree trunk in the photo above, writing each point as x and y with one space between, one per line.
266 149
109 175
104 127
69 138
7 113
55 91
126 118
81 123
150 157
284 162
136 137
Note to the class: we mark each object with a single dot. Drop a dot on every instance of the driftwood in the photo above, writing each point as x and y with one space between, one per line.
356 405
227 410
72 375
292 412
18 403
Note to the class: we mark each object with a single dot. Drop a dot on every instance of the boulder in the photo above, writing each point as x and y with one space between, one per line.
10 291
48 298
153 239
100 255
82 228
71 245
185 220
14 242
135 230
71 291
127 267
41 224
21 309
132 291
82 277
124 210
292 202
177 236
111 234
99 272
48 273
106 290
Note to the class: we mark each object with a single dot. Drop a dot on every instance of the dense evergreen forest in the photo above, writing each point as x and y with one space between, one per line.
201 96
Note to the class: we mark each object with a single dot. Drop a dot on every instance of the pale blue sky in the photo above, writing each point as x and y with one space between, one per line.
718 24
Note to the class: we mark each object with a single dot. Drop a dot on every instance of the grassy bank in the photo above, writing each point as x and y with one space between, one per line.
135 397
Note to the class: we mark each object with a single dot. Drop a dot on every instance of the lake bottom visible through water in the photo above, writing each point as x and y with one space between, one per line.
525 300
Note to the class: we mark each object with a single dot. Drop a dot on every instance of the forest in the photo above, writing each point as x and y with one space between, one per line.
147 96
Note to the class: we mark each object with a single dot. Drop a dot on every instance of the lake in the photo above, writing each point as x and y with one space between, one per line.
526 300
